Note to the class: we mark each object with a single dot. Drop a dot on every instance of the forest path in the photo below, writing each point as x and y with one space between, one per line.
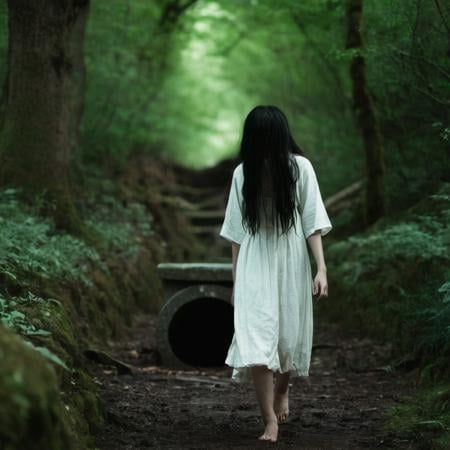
338 407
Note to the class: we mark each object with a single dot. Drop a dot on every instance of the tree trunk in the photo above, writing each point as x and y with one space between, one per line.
39 129
77 87
366 117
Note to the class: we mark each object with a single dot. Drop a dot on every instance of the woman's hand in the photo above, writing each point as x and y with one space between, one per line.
320 285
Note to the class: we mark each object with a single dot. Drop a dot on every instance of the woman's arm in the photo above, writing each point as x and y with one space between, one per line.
235 253
320 280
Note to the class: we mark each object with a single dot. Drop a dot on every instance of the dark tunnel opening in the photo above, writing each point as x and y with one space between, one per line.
201 331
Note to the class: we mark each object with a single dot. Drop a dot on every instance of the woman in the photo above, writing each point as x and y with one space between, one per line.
274 207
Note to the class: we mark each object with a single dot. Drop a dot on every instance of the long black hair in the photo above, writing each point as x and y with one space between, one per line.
266 150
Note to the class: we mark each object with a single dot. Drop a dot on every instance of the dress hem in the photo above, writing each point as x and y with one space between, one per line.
241 374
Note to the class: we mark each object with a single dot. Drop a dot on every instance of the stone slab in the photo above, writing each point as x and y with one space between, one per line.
196 271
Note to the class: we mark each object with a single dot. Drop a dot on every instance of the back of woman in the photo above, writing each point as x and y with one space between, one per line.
274 208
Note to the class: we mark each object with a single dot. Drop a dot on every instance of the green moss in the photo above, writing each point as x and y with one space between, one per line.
53 316
85 410
82 408
32 415
424 418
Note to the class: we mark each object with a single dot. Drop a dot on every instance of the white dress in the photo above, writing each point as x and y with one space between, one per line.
273 314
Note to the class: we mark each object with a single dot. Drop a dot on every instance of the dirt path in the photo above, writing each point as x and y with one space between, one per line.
338 407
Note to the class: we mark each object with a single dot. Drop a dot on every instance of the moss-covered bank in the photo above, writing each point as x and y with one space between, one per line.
61 295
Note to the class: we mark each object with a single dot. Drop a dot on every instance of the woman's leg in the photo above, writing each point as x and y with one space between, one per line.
263 381
281 396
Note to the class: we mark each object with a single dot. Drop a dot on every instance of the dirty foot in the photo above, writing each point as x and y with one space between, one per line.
281 405
270 432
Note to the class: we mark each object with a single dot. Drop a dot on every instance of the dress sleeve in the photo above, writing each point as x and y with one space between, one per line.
313 213
232 228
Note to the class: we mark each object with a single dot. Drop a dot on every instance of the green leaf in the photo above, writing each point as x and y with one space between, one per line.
46 353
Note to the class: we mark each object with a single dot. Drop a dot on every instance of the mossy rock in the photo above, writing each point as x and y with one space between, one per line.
84 408
32 415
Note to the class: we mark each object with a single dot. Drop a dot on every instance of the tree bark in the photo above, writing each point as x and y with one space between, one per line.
366 116
42 103
77 87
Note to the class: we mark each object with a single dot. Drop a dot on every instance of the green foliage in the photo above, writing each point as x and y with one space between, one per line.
424 418
122 227
145 92
408 71
128 52
31 247
16 320
397 274
394 245
431 324
46 353
13 317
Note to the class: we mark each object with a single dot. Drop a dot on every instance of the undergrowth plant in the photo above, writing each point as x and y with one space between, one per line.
13 317
122 227
30 245
398 275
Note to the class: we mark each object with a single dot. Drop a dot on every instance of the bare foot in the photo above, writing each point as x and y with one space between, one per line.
270 432
281 405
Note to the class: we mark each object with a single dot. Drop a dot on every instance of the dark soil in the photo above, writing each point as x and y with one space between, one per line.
339 406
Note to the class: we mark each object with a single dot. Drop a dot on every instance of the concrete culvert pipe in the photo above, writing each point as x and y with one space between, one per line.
195 325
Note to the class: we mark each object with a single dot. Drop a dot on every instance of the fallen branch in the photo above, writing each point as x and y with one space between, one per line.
101 357
334 202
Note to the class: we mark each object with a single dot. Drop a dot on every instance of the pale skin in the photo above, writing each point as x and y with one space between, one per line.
273 398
